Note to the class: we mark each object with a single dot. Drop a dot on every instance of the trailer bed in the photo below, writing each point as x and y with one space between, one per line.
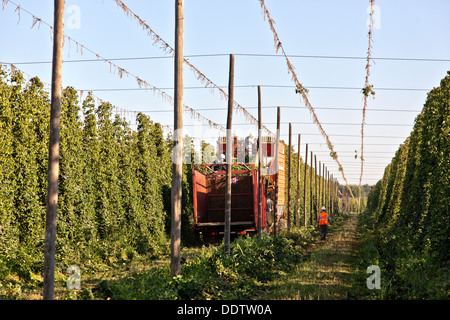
209 199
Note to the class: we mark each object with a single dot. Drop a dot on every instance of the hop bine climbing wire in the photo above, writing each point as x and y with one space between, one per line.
113 68
300 89
367 90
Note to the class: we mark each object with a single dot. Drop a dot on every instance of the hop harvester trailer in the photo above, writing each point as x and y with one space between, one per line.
209 183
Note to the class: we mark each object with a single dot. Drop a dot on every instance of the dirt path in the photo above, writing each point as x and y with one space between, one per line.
326 272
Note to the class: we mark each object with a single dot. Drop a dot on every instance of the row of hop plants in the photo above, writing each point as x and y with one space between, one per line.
214 274
114 183
408 209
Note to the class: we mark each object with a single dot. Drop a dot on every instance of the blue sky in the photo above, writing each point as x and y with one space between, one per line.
405 29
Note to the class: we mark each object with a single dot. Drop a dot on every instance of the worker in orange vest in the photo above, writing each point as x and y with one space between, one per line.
322 219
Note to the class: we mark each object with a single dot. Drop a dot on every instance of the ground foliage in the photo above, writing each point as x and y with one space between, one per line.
213 274
408 209
114 195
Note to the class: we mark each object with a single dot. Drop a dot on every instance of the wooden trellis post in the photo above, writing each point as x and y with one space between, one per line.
319 205
329 191
229 157
323 185
311 205
315 188
53 154
277 159
298 184
177 166
289 181
259 162
332 194
304 185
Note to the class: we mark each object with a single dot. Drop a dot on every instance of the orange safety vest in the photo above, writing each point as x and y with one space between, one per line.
323 218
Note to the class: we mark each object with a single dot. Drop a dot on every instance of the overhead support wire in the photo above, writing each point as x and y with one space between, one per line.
157 40
113 68
293 107
255 86
300 89
242 55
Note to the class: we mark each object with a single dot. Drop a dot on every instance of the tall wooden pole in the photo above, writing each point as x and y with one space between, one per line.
259 227
347 197
177 166
347 202
332 194
298 184
323 185
343 200
336 194
289 181
53 154
329 191
311 189
315 188
319 204
333 188
229 157
304 185
326 190
277 164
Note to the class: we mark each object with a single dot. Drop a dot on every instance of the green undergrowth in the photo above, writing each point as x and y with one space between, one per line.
213 274
404 276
